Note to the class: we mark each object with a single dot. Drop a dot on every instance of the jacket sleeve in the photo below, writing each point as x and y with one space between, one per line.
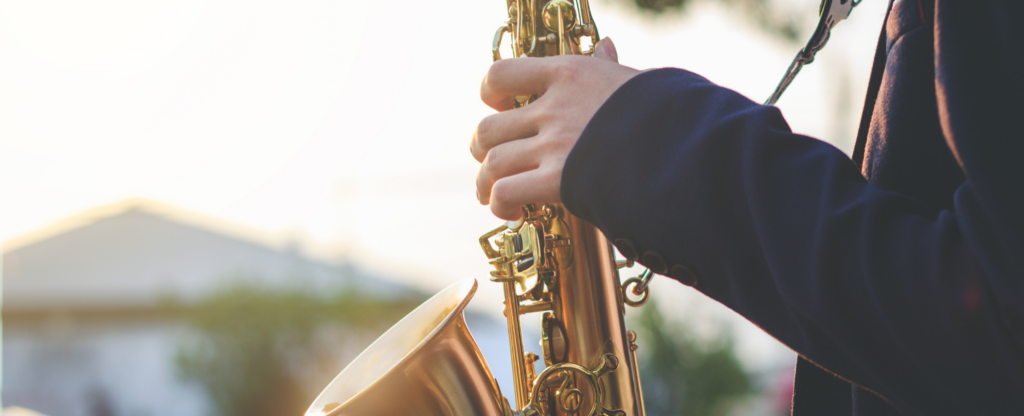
922 307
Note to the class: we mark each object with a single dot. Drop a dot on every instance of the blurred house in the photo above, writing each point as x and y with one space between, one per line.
84 334
19 411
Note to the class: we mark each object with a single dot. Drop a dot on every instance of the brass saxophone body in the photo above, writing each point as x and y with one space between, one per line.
557 264
550 263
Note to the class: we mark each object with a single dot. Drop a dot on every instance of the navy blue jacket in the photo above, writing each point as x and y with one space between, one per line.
900 278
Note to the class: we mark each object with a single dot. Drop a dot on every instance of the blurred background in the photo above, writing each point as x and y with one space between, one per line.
210 206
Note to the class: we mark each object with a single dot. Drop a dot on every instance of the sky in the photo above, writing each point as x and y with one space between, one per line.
341 126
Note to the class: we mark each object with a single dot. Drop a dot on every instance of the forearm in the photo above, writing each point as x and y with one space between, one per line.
783 229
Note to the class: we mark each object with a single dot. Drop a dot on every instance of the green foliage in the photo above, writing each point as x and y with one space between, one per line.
251 344
659 6
684 375
761 12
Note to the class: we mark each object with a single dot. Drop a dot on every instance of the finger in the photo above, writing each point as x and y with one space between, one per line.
503 127
538 185
505 160
605 49
508 78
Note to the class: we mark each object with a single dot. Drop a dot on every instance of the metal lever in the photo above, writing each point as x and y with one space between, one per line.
640 288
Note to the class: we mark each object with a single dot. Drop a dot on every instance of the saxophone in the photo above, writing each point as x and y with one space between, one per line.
548 262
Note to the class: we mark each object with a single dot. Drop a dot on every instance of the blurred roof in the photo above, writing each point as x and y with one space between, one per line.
133 254
20 411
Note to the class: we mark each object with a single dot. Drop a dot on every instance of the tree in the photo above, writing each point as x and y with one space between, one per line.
764 13
265 352
686 375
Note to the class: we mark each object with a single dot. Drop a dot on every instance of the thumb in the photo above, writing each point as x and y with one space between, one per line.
605 49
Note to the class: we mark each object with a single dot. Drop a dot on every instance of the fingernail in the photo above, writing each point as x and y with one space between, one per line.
609 48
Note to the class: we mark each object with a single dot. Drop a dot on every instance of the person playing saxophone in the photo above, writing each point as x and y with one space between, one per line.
896 276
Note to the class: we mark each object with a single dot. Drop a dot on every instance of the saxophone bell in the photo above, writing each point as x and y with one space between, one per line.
426 364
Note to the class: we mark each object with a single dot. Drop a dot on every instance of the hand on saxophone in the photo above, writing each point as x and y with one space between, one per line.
522 150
